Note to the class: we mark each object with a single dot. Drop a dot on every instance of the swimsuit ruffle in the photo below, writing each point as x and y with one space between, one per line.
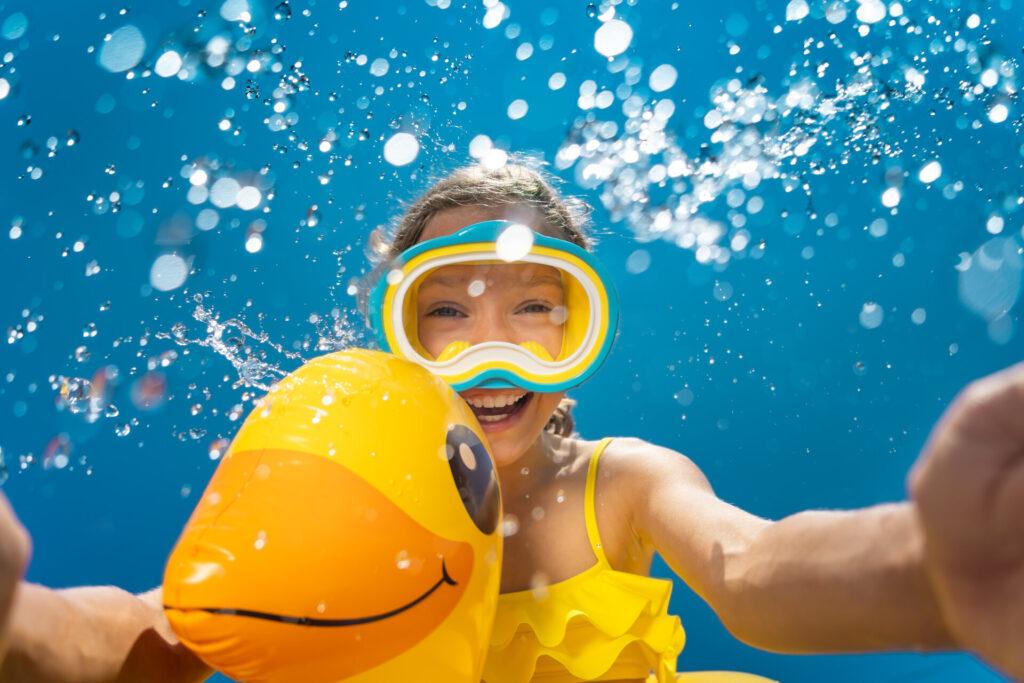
585 624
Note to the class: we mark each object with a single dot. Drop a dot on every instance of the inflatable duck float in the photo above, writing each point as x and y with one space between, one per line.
349 533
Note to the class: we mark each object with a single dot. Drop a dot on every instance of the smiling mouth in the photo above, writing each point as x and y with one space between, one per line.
313 621
488 414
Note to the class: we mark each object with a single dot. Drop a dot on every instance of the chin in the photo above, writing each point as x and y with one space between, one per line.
508 447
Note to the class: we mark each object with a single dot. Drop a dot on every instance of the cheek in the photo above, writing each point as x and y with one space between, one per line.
436 333
546 404
429 337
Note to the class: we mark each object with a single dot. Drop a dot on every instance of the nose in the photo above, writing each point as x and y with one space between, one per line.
492 325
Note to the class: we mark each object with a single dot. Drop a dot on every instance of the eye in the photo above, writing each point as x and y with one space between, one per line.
535 307
474 476
445 312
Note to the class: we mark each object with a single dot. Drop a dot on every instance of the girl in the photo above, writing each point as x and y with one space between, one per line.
584 518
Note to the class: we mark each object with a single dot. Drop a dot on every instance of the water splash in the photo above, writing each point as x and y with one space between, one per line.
754 137
249 351
228 339
834 112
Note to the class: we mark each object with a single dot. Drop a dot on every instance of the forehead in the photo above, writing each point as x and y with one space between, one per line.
506 274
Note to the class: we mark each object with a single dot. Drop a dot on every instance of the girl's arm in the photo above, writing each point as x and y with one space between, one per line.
818 581
94 635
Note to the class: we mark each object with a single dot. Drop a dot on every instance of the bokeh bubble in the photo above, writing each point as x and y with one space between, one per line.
14 26
123 49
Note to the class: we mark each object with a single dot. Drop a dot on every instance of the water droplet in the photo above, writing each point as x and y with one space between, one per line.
312 216
663 78
122 49
14 26
514 242
509 525
891 197
930 172
539 583
613 37
991 278
517 109
168 272
74 394
168 64
797 10
283 11
401 149
998 112
871 11
871 315
58 452
218 448
402 560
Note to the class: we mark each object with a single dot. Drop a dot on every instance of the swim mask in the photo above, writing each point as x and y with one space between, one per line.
565 321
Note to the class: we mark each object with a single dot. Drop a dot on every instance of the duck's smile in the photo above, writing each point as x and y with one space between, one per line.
313 621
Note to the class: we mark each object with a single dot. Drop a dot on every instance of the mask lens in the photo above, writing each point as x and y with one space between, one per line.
459 305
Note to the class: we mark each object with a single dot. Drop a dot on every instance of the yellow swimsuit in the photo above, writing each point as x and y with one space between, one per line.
600 625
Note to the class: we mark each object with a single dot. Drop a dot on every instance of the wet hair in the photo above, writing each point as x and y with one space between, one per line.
521 186
518 185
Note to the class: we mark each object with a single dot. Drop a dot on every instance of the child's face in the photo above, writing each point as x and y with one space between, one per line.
517 303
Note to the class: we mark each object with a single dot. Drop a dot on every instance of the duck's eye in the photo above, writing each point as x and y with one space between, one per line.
474 476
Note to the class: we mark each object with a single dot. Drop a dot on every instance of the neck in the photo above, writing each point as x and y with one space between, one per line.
539 463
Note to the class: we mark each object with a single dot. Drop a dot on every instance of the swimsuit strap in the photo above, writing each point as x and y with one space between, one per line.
589 506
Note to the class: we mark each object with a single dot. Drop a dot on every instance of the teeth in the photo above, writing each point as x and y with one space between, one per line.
492 401
491 418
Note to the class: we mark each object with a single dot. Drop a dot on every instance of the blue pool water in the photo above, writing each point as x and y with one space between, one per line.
845 256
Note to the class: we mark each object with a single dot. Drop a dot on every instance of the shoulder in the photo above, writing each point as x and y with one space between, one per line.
642 466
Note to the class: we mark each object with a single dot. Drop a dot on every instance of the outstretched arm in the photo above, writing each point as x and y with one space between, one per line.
94 634
816 581
81 635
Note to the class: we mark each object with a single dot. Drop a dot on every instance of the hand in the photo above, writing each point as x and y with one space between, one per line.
968 491
14 553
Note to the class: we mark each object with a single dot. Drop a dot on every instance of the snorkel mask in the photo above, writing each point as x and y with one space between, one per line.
587 315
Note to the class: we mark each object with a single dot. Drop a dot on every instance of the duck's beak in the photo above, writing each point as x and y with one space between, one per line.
365 580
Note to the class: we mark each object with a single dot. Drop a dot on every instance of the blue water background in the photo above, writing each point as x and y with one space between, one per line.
791 402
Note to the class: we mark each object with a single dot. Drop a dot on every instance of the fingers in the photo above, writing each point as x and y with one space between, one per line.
15 545
985 419
995 401
15 549
966 485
